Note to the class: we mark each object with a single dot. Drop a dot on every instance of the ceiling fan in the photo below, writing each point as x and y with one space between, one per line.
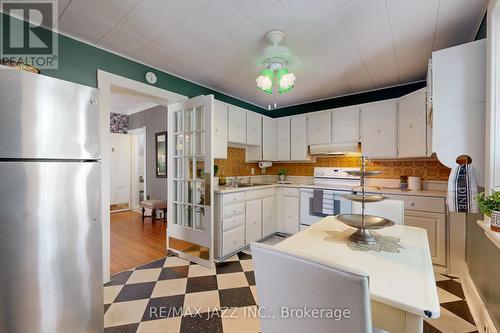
276 59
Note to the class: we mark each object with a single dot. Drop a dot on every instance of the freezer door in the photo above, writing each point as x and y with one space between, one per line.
43 117
50 247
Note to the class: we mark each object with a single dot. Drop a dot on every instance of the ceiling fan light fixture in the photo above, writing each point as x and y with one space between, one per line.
265 81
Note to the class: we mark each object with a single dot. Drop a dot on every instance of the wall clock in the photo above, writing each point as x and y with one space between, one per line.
150 77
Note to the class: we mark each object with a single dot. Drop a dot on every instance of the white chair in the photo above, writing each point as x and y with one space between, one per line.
393 210
287 281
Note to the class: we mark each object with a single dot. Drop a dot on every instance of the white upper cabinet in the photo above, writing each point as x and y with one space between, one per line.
379 129
459 76
254 129
345 125
283 139
237 131
298 137
268 138
412 125
220 130
319 128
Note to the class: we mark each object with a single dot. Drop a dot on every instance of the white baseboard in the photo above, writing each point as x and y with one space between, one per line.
477 307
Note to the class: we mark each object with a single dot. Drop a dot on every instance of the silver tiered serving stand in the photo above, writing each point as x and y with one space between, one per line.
362 222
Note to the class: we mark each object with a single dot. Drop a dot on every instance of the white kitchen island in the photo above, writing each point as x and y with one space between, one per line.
402 285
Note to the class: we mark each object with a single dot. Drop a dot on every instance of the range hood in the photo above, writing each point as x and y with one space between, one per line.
348 148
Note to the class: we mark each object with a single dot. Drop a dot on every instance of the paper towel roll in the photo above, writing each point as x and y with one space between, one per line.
414 183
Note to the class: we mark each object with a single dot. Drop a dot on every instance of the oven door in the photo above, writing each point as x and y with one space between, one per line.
308 217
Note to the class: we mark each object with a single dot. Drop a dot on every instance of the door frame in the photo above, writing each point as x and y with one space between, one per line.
105 82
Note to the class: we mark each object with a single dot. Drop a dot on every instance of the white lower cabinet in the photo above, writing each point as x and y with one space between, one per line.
253 220
435 224
269 216
233 240
291 214
243 217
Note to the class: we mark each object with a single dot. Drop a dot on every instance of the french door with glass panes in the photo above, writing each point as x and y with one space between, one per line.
190 190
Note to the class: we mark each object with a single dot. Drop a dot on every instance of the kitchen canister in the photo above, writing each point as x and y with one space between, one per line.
414 183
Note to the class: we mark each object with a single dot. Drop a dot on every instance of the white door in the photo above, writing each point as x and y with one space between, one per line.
237 125
220 130
291 210
435 225
254 129
412 125
283 139
345 125
120 171
268 216
269 138
190 189
379 129
253 219
319 128
298 138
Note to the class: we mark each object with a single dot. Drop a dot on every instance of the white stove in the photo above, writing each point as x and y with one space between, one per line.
335 178
332 183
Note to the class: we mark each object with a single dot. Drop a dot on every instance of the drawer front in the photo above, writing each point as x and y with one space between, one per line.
259 194
233 222
425 204
233 198
233 210
233 240
291 192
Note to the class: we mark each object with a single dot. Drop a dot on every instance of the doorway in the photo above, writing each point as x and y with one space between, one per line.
128 243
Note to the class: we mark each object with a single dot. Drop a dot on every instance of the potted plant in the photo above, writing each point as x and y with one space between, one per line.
216 179
490 206
282 173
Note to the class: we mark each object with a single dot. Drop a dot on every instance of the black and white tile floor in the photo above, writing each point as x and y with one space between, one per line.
174 295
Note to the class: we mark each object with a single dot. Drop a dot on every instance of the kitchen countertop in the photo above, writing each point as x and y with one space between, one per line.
403 280
383 190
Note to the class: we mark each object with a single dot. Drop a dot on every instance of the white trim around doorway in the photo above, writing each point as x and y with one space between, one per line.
105 82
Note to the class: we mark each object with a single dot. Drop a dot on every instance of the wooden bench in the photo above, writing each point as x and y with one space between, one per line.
153 205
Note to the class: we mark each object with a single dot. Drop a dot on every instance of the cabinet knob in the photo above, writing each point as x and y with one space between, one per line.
379 131
412 204
411 125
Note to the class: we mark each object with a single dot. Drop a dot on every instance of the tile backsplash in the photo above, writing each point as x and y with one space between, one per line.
428 169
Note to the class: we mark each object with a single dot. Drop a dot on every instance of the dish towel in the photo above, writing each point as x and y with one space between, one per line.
462 189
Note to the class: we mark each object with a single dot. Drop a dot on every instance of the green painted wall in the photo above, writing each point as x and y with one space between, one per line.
483 259
337 102
79 62
481 32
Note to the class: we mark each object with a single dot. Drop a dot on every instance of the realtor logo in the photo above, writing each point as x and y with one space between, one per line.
26 38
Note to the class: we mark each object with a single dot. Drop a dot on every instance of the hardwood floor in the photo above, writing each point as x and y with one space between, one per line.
133 243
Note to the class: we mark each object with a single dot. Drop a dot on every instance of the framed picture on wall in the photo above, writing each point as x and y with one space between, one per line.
161 154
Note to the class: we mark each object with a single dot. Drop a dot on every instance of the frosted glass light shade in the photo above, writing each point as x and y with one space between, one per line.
286 80
265 81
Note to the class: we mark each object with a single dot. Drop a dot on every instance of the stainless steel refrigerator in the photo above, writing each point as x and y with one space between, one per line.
50 226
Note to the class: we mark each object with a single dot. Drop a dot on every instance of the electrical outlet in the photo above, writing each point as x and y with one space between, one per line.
252 171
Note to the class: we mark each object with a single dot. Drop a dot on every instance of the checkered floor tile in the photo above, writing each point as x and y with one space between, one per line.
174 295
